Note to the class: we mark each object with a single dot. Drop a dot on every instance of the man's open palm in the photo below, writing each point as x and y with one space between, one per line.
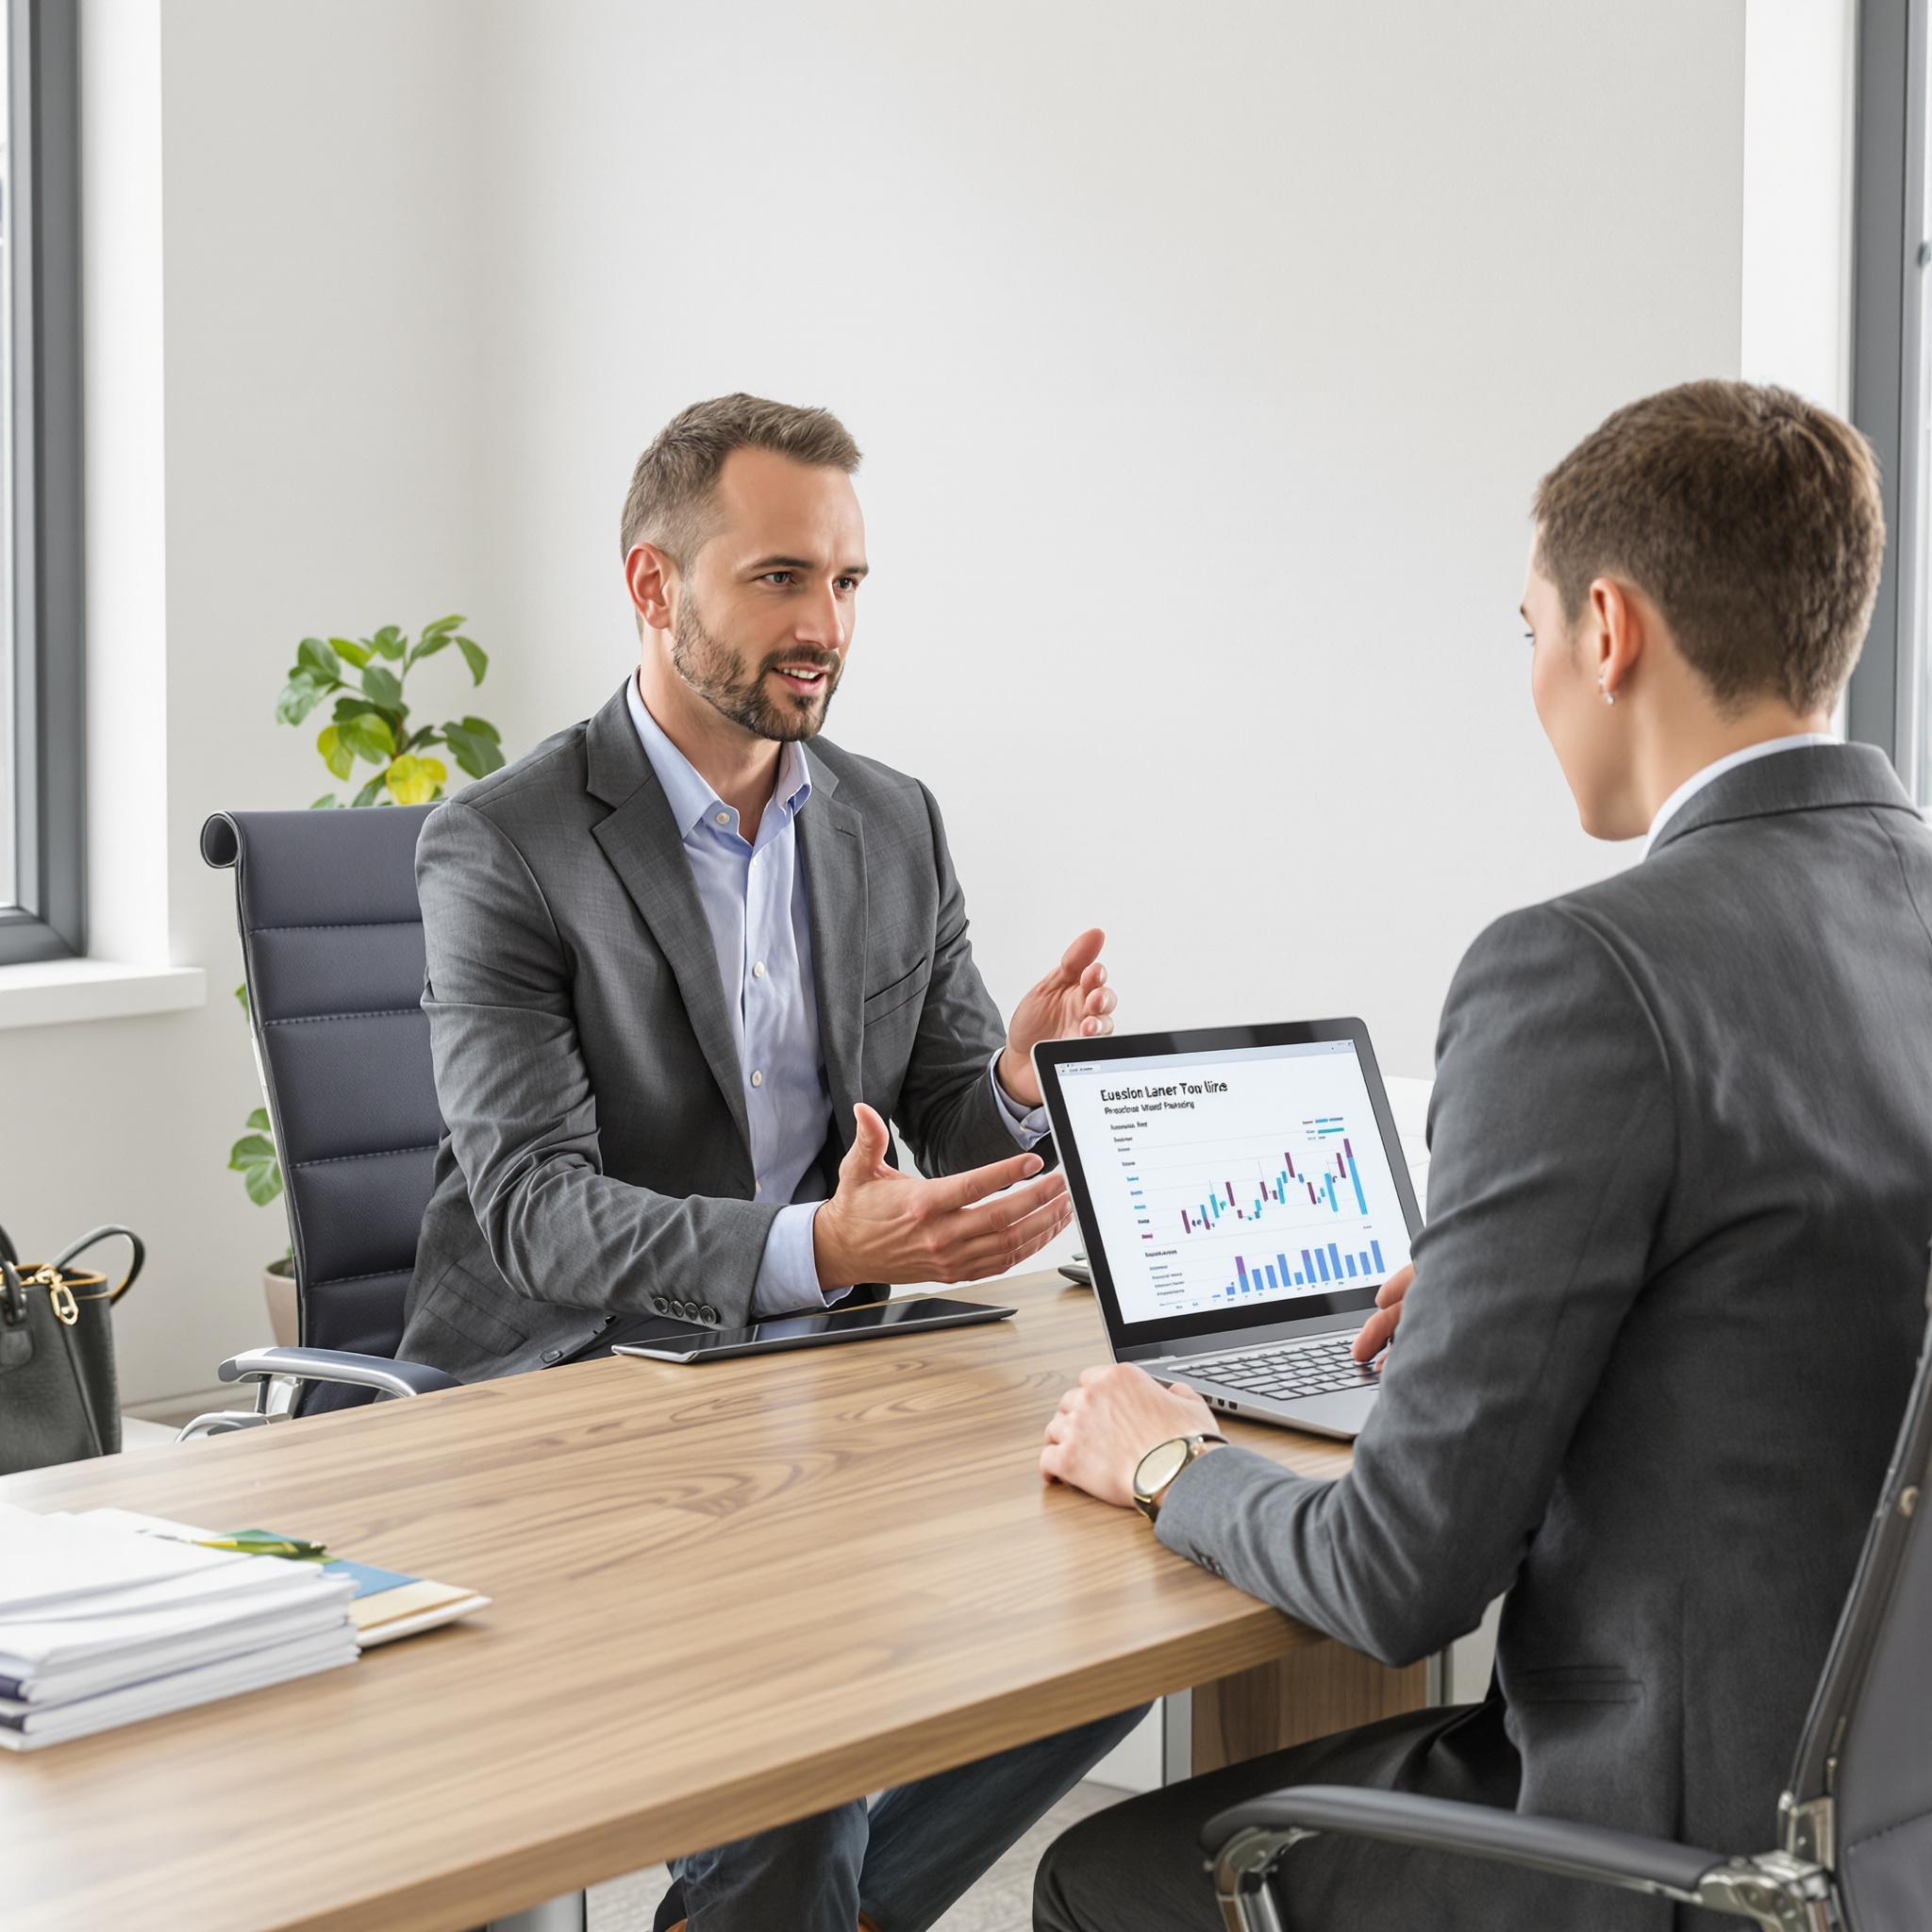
1073 1002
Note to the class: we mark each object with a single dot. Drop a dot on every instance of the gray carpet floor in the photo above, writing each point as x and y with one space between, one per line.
1001 1901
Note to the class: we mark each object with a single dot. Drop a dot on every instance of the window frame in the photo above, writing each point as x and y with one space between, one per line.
48 754
1887 702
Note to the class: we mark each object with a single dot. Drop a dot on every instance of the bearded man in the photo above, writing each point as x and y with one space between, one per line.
685 962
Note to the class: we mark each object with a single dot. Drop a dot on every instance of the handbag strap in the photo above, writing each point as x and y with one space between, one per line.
71 1343
136 1255
12 1295
8 1251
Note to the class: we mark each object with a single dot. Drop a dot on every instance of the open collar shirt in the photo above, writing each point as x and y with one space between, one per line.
753 891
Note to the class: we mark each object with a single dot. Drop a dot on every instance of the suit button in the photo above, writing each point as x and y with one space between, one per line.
657 1303
708 1313
686 1310
553 1355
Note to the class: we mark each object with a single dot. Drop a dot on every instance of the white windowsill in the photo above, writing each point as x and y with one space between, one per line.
56 992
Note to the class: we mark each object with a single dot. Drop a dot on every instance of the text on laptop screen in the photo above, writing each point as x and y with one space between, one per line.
1246 1176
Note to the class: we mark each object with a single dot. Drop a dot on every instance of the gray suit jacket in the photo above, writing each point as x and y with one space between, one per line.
595 1161
1663 1325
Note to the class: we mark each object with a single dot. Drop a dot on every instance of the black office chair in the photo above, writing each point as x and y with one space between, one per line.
332 944
1856 1819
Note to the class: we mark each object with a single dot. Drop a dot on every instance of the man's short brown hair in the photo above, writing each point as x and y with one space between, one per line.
670 488
1751 517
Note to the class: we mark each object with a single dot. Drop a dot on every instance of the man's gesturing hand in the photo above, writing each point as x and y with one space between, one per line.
1073 1002
1108 1422
884 1225
1374 1334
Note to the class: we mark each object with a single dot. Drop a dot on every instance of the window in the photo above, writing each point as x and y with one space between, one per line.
1891 703
41 736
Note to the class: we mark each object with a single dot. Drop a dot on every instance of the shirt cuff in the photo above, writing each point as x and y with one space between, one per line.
787 1282
1027 1124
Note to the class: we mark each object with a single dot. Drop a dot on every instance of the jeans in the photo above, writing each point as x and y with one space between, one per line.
902 1860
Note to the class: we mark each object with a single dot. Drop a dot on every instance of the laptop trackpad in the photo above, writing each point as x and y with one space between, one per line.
1344 1413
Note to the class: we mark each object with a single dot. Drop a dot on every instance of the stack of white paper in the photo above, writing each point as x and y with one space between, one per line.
101 1624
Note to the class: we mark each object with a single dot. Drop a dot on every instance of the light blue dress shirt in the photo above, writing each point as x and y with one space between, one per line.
755 903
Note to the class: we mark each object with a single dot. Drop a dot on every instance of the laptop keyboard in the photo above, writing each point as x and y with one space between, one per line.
1307 1368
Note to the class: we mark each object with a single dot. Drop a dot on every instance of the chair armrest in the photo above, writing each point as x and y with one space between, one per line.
337 1365
1244 1843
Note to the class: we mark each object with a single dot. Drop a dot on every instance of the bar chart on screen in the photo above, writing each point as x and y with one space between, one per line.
1257 1177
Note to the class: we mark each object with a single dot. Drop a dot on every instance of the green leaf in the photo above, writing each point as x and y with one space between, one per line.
356 654
441 625
260 1122
325 803
427 648
335 754
368 736
241 995
253 1156
428 734
370 792
348 709
476 658
388 642
318 660
300 696
478 756
264 1543
482 727
415 781
384 687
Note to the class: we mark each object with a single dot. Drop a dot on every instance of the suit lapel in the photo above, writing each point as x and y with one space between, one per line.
832 849
640 840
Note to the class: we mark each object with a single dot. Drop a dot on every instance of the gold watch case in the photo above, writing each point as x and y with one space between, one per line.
1161 1465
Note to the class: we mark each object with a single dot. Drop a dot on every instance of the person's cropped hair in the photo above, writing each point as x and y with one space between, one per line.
671 488
1750 516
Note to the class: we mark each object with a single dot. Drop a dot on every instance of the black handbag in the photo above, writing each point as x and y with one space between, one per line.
59 1400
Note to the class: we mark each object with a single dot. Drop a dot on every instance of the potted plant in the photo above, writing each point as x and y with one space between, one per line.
369 723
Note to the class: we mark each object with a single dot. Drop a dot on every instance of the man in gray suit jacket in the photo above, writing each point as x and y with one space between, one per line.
683 967
1665 1310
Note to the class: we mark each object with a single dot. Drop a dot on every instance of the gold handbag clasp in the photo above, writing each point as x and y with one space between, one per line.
59 1295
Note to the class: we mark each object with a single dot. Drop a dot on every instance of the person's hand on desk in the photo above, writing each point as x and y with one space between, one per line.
1073 1002
1377 1332
884 1225
1104 1426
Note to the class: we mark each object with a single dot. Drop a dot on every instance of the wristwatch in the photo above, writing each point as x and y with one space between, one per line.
1155 1471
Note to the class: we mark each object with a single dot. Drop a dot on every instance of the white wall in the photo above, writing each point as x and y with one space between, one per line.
1799 71
1203 378
1203 375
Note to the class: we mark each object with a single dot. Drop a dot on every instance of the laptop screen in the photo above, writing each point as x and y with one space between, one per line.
1228 1179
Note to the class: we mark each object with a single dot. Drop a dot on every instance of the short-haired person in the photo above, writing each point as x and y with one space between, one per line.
1663 1316
685 962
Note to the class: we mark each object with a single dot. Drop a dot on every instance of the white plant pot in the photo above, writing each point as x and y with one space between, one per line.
278 1286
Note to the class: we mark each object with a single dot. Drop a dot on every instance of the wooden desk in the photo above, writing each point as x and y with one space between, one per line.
723 1596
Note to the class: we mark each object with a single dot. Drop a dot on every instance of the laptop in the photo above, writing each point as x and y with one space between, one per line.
1242 1193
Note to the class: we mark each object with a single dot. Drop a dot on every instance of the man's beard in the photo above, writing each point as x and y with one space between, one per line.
717 673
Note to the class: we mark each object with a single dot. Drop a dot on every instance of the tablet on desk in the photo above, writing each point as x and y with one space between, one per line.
683 1341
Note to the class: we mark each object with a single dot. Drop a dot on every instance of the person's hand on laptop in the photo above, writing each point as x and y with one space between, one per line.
884 1225
1103 1425
1073 1002
1375 1334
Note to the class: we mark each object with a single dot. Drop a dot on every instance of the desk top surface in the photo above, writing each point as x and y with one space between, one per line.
715 1587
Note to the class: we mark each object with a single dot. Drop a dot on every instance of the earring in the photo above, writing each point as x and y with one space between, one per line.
1609 696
